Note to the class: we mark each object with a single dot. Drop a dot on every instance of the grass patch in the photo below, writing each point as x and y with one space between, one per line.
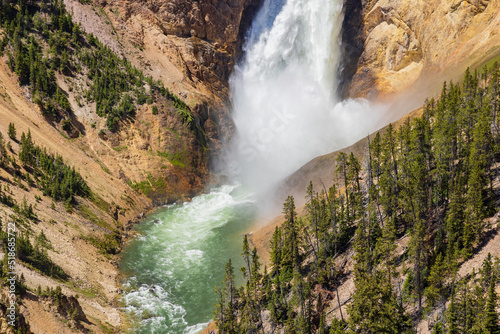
102 204
150 186
177 159
86 213
120 148
489 63
109 245
493 56
175 132
106 328
104 168
87 292
142 186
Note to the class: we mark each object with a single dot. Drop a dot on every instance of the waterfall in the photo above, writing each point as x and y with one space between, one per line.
285 106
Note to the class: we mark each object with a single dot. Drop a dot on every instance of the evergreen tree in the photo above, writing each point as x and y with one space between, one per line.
388 182
246 257
374 307
255 275
436 282
491 325
431 178
4 156
487 271
276 252
224 313
342 171
418 257
290 253
476 195
438 328
451 317
12 132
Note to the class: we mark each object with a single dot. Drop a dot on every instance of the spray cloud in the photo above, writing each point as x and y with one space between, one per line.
284 104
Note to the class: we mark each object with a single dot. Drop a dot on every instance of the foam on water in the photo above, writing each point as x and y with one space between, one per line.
176 263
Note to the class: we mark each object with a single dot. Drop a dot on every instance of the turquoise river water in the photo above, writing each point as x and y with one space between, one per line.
172 268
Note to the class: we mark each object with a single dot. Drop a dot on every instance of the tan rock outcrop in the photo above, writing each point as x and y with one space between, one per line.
407 42
191 46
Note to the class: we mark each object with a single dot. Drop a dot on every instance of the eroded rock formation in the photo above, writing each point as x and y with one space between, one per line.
191 45
395 44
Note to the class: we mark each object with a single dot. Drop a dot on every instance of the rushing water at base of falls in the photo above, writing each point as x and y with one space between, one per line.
172 268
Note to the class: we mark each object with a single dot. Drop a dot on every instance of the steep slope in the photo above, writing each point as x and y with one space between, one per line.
321 170
400 243
146 148
191 46
392 46
93 276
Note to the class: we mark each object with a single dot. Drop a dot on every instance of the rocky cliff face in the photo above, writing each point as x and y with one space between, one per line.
393 45
390 45
191 46
203 34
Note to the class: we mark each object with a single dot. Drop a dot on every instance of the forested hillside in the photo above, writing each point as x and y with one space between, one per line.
434 182
41 39
82 87
77 125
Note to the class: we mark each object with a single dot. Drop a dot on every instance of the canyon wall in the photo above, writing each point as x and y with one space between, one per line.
192 46
394 45
155 158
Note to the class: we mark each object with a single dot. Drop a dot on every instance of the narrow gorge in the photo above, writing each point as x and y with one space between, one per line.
285 111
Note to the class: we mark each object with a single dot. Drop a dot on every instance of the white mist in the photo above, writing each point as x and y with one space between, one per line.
284 99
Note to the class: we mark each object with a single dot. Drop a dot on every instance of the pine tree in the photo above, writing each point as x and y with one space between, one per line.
455 215
301 293
388 183
487 271
337 326
314 214
476 195
4 156
276 251
374 307
224 313
438 328
342 171
246 258
418 258
322 329
436 282
452 312
290 254
12 132
376 156
491 325
255 275
355 194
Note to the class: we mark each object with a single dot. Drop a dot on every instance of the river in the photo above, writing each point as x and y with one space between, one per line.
172 268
